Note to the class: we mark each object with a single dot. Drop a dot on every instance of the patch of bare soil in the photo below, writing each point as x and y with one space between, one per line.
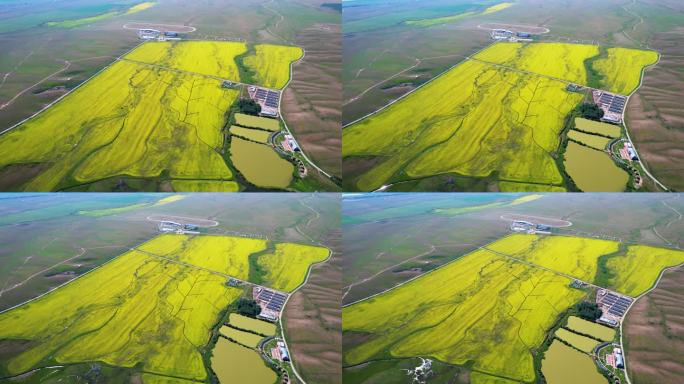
12 176
654 115
654 332
313 321
312 102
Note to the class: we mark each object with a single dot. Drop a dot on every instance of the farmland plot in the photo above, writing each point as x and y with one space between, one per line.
271 63
631 271
495 121
141 122
483 309
288 266
621 69
156 115
119 323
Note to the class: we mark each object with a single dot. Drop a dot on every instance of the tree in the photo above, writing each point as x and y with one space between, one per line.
591 111
588 311
249 107
248 307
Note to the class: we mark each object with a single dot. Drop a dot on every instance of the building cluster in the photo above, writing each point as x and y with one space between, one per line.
615 359
290 145
628 153
153 34
613 306
268 99
506 35
279 352
529 227
174 227
612 105
271 303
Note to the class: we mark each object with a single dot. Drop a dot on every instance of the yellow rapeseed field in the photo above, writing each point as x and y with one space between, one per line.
482 308
558 60
132 120
621 70
204 186
213 58
225 254
140 7
637 270
494 121
288 266
114 315
272 64
575 256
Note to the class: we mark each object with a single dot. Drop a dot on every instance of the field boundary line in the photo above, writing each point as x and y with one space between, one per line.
624 123
654 286
423 274
417 88
287 299
70 281
72 90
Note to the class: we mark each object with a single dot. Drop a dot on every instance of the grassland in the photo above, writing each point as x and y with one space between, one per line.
594 141
589 328
258 326
73 23
251 134
119 323
591 126
482 309
583 343
224 254
288 265
448 19
245 338
495 122
271 63
257 122
621 69
593 170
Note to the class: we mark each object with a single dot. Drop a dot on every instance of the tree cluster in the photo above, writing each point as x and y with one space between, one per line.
591 111
248 307
588 311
